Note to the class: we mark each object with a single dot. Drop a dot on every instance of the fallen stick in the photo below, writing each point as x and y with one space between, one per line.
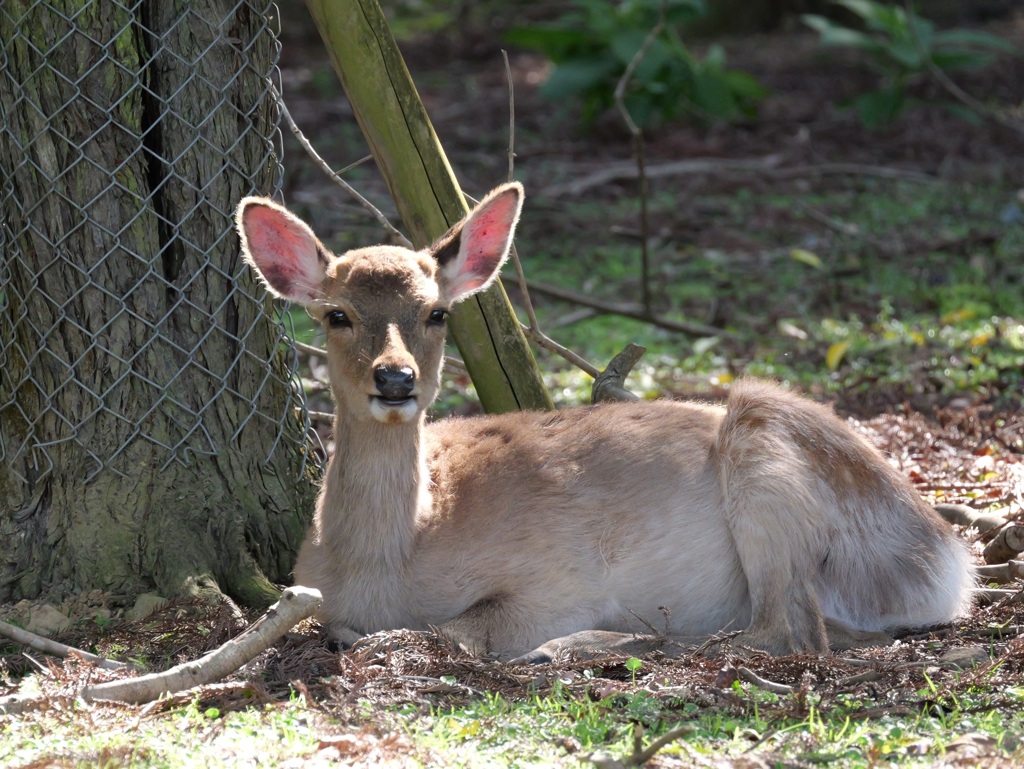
1005 545
1001 572
751 677
628 311
969 518
988 596
769 165
295 605
47 646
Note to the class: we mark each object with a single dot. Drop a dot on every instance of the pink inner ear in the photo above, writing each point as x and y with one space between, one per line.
284 251
486 237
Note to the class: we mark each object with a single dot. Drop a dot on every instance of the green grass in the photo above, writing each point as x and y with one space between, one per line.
545 731
188 737
557 729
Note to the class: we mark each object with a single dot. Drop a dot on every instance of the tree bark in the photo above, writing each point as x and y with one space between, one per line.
143 390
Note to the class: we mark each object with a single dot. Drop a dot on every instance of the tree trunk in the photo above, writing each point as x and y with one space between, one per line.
148 433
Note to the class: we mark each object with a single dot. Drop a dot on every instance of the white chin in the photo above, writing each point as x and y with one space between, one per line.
394 414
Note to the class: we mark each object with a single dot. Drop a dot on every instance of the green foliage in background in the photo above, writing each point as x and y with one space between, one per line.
592 44
903 47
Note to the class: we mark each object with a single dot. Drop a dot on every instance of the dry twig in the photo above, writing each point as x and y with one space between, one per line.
336 177
638 144
640 754
1007 543
751 677
628 311
769 165
1002 572
47 646
986 524
533 329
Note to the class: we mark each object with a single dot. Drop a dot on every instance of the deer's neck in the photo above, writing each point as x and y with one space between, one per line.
377 483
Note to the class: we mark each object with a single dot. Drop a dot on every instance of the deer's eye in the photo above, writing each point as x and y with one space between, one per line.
337 319
437 318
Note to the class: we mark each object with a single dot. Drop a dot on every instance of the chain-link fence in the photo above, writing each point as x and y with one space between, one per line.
130 131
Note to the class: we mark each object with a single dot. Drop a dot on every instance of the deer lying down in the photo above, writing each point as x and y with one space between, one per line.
768 516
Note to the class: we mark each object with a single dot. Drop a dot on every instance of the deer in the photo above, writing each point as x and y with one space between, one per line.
529 534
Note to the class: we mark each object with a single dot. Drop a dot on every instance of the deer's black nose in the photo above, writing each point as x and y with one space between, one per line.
394 384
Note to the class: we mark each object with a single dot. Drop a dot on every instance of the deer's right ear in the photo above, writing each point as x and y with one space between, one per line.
282 249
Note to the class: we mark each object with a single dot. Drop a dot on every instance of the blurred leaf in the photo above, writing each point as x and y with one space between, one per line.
954 60
974 38
786 328
836 353
574 77
712 93
877 109
554 42
907 53
625 43
833 34
958 316
807 257
902 44
594 41
962 111
745 84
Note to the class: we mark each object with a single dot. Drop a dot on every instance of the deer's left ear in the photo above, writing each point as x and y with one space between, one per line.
471 253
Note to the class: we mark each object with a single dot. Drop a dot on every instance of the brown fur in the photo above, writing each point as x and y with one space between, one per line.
768 516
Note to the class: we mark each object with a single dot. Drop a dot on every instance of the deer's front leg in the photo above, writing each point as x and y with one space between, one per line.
343 635
587 644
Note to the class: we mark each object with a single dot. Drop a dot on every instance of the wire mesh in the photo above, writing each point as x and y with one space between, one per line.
130 130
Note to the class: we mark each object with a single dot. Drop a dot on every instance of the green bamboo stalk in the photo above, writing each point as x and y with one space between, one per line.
428 197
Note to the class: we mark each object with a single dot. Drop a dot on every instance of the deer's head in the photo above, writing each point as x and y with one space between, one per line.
383 308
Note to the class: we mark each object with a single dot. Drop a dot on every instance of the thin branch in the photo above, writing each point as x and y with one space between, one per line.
336 178
751 677
532 330
319 416
1001 572
768 165
309 349
987 596
638 143
542 340
628 311
642 757
511 116
986 524
47 646
610 384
